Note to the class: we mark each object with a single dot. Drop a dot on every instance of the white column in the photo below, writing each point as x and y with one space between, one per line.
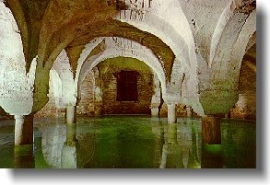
23 129
155 109
171 113
70 114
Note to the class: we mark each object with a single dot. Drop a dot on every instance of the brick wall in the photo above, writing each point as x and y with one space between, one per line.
85 106
109 87
50 109
245 108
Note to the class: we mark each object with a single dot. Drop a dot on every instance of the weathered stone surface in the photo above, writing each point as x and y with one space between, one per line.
195 49
108 69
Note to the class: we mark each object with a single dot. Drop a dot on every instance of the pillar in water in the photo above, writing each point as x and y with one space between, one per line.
171 113
23 129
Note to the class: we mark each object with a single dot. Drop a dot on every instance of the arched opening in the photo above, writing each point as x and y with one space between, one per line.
113 90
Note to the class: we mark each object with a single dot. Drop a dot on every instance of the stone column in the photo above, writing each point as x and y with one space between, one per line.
70 114
171 113
155 109
211 132
23 129
189 111
242 104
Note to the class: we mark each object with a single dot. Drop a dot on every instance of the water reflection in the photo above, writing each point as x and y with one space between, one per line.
24 156
119 143
133 142
69 151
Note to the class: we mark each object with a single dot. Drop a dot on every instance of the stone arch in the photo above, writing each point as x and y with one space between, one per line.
176 34
17 11
231 20
179 36
113 50
246 39
104 28
63 68
166 32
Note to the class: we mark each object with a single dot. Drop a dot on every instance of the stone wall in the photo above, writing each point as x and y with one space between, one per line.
85 106
4 115
109 86
181 111
245 108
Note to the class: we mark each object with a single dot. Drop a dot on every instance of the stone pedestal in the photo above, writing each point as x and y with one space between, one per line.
23 129
211 133
171 113
70 115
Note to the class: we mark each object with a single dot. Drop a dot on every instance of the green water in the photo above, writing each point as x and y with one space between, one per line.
129 142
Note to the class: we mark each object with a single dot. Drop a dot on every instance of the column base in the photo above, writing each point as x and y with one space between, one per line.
70 115
154 111
23 129
172 113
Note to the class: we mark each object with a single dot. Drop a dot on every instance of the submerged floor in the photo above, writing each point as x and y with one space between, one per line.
129 142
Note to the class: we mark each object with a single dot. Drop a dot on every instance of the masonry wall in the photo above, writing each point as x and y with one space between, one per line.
86 106
245 108
108 69
4 115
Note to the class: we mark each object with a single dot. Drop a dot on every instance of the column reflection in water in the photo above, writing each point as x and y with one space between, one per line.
23 149
141 143
170 147
69 151
23 156
158 131
212 156
189 139
211 142
67 146
181 145
52 142
239 144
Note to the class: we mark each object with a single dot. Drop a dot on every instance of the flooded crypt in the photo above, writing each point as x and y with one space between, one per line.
128 84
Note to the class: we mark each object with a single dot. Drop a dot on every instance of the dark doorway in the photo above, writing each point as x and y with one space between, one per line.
127 86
